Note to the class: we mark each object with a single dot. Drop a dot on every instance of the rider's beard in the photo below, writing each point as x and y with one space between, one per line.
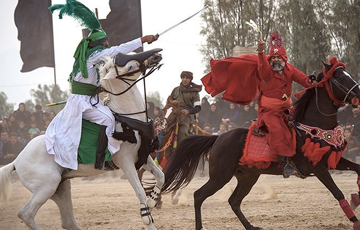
277 65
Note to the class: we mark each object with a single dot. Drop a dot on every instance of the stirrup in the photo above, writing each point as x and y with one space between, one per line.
258 133
108 166
289 170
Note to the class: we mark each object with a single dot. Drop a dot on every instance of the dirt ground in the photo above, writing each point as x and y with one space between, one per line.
108 202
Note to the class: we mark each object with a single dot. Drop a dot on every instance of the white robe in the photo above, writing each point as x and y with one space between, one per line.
62 136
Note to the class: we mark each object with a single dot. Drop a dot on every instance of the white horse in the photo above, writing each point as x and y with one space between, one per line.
45 179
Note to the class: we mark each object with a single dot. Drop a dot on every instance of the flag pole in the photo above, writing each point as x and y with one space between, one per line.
53 44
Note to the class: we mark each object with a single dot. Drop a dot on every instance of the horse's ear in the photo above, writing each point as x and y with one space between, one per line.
327 66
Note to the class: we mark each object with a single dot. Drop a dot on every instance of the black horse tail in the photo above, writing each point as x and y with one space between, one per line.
181 167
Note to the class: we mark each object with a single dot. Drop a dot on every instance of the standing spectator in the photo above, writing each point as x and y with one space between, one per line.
21 114
11 149
34 130
12 124
355 121
352 147
231 114
214 117
4 137
39 117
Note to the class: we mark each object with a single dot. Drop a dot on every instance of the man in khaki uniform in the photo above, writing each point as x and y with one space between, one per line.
188 95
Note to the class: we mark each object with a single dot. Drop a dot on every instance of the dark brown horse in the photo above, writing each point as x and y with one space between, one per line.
317 108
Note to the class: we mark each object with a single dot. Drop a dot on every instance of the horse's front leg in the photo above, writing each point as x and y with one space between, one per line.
325 177
128 167
345 164
151 167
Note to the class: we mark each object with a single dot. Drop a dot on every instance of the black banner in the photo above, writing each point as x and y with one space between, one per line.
34 23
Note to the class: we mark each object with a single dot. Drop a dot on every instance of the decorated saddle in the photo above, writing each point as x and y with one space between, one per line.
318 142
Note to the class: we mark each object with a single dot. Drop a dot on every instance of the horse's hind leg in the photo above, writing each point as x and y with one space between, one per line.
345 164
245 184
37 199
62 198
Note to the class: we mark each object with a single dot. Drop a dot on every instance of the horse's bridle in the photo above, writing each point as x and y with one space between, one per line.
126 80
342 88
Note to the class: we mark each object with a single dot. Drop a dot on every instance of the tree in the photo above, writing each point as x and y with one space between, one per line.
49 94
5 108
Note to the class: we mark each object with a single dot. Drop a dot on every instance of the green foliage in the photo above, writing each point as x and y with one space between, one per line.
5 108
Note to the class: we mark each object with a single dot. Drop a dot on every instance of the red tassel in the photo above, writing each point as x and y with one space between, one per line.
333 60
163 162
333 159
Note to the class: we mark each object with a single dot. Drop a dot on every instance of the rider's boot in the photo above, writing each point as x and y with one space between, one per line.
100 152
288 169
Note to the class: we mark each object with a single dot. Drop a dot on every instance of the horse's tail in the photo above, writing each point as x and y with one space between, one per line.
183 163
5 183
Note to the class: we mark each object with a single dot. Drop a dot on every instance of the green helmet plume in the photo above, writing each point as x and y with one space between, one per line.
87 18
78 11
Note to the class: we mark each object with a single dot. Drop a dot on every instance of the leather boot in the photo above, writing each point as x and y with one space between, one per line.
100 152
288 169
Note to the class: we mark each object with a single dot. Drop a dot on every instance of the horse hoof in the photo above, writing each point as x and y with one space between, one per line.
355 201
175 200
356 225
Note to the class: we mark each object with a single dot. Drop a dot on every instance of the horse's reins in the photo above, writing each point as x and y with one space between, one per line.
341 87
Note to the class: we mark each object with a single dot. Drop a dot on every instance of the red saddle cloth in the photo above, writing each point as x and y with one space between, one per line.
257 152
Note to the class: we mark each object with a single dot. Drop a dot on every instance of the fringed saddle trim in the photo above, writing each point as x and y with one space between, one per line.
314 152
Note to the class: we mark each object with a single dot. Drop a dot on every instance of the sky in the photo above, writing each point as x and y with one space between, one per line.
180 47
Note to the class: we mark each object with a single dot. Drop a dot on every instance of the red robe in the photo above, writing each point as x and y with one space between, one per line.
244 78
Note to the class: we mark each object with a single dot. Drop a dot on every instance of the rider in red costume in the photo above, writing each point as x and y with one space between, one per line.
275 90
269 77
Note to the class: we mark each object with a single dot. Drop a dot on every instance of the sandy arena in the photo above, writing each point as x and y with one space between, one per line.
108 202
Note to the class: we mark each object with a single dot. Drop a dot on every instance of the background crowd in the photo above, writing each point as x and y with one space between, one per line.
215 118
19 128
